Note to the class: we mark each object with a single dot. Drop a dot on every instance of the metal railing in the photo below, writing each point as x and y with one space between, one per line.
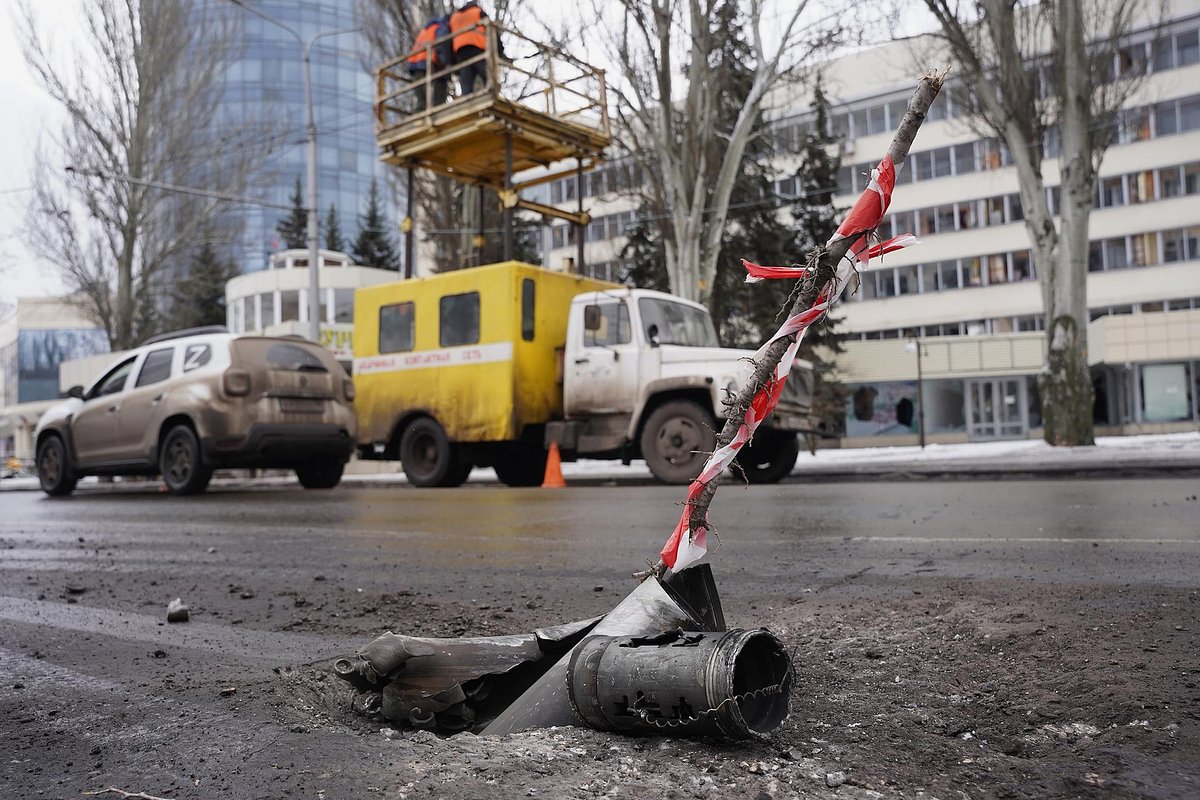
536 76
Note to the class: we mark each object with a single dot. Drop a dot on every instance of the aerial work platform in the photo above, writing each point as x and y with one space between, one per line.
537 109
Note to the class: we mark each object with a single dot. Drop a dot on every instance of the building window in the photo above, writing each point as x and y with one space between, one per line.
1022 266
972 271
1112 192
945 219
396 329
1115 255
1191 238
1173 249
458 319
1166 119
1140 187
1191 178
948 275
1145 249
1169 184
289 305
885 283
997 267
267 300
929 278
1187 48
1189 114
1015 212
343 305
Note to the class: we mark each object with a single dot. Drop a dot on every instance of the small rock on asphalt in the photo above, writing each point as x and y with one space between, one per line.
834 779
177 611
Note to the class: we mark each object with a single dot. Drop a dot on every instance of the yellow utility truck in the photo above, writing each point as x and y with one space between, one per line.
487 366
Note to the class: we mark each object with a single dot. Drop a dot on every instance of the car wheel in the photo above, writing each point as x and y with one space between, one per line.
179 460
320 474
426 454
522 466
676 441
54 468
769 457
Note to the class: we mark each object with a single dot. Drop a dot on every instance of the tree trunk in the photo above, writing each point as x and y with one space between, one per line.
1065 382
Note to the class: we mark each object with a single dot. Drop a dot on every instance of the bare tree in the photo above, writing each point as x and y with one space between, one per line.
1035 72
669 105
139 109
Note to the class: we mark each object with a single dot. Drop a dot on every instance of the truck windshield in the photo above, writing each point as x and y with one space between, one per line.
677 323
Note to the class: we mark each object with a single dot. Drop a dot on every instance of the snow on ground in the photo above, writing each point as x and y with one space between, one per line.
1163 449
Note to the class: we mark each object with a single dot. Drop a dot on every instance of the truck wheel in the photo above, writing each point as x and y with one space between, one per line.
426 454
769 457
320 474
54 468
677 440
179 460
522 466
459 474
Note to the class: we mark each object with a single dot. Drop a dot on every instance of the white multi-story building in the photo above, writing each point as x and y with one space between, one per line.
274 301
968 296
36 338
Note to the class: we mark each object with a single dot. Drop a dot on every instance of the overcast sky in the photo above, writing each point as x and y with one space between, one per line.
35 116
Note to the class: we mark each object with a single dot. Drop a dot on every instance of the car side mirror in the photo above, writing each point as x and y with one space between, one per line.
591 318
652 335
76 392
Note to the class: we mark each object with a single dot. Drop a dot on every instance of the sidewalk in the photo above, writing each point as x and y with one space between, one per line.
1166 455
1175 454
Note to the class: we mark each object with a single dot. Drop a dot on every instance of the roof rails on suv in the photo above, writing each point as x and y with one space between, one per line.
164 337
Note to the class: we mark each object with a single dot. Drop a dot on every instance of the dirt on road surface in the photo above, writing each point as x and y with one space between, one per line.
933 686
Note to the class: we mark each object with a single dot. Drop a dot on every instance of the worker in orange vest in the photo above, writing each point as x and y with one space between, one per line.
471 40
425 49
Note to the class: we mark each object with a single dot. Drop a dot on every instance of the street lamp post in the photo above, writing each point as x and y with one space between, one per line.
310 135
914 345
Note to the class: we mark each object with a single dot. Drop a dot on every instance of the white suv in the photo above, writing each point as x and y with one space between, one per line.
186 403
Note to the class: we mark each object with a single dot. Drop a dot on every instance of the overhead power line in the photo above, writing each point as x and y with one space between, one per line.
170 187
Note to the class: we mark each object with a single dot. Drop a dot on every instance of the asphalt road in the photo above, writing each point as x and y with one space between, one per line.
992 638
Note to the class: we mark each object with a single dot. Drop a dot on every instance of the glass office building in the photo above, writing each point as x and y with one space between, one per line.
265 83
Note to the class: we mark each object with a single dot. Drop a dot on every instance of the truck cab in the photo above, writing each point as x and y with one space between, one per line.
644 374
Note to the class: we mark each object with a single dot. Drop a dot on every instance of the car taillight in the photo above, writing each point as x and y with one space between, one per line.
348 388
236 382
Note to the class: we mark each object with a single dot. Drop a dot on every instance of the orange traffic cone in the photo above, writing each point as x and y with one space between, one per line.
554 476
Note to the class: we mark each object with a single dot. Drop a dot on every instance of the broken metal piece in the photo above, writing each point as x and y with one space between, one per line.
686 600
733 684
449 685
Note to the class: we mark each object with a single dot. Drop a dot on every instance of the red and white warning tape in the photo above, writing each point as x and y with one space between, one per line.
685 546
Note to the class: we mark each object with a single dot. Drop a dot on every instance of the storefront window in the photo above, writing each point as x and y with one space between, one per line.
1165 396
882 409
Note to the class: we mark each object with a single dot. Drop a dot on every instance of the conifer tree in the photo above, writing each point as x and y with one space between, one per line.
333 232
199 299
373 247
816 219
293 229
